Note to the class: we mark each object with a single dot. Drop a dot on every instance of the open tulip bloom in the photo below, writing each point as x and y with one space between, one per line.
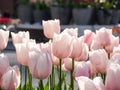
66 62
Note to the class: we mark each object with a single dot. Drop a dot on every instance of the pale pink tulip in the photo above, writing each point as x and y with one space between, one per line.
114 43
62 45
55 60
99 83
40 64
33 46
91 68
95 45
77 44
68 63
88 37
84 54
4 64
103 36
116 50
64 68
112 81
71 31
18 37
23 49
50 27
116 58
115 54
84 83
45 47
4 36
99 59
81 69
11 79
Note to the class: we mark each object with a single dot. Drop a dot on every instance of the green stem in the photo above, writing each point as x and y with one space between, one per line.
65 88
25 77
41 86
52 79
30 80
60 87
103 77
51 86
72 72
21 77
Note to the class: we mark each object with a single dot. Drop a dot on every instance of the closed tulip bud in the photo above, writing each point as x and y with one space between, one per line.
50 27
62 45
99 83
4 64
68 63
84 54
81 69
22 52
114 43
11 79
99 59
77 44
71 31
4 36
103 36
112 81
40 64
84 83
88 37
18 37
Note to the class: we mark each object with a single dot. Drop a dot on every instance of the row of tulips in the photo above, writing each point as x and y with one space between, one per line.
93 59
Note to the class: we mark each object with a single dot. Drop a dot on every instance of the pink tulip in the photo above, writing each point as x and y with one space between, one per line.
55 60
64 68
116 58
23 49
81 69
50 27
84 83
62 45
112 81
99 83
18 37
4 36
40 64
84 54
98 59
68 63
114 43
11 79
88 37
116 50
91 69
95 45
45 47
71 31
77 44
103 36
4 64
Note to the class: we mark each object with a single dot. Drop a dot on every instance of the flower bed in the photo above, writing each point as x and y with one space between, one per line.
91 59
